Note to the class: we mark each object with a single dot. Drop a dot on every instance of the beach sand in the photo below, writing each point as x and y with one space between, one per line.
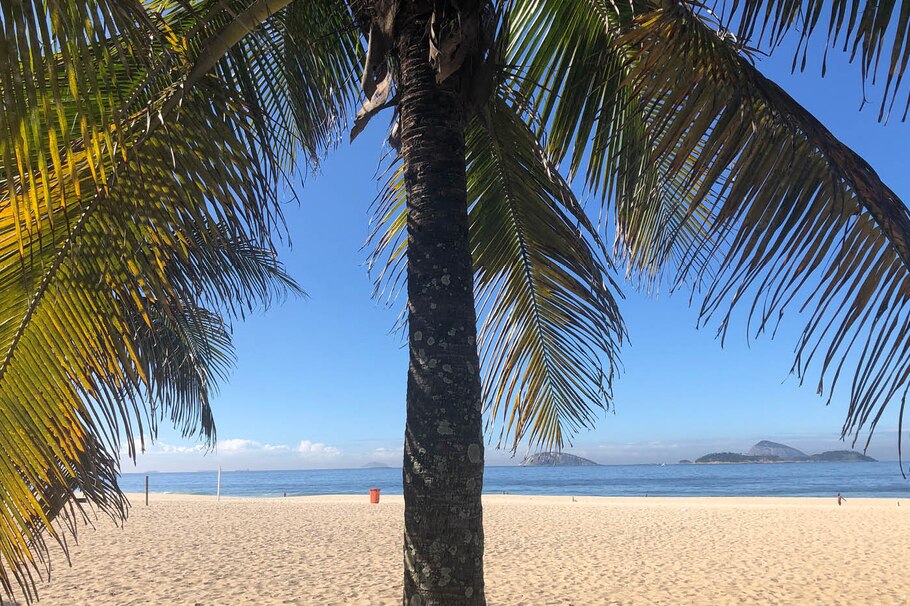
332 550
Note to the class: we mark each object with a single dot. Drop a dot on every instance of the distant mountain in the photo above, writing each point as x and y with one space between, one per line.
842 456
374 465
735 457
774 452
685 462
783 452
554 459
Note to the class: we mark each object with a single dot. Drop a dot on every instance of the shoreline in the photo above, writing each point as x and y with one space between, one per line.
398 467
816 480
588 499
137 499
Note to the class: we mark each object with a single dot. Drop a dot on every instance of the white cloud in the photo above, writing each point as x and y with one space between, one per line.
233 453
170 448
160 448
307 447
235 445
239 445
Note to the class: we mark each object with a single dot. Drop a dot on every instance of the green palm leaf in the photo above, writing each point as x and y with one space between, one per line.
299 66
123 241
562 55
876 33
550 326
723 182
796 218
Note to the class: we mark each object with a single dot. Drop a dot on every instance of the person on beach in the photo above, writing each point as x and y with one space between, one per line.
840 499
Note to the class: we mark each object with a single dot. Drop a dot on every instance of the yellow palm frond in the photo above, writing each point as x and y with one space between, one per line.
138 206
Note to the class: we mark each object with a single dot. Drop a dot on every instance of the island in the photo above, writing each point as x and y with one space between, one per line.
375 465
781 452
555 459
735 457
774 452
842 456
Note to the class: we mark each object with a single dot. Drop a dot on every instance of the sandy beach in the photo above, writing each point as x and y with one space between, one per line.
335 550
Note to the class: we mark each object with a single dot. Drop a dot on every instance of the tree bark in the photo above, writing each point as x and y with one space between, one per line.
443 452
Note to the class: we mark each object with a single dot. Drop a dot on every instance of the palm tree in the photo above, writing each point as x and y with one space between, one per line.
143 145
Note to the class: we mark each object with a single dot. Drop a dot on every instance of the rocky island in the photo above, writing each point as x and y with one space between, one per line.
554 459
842 456
781 452
735 457
773 452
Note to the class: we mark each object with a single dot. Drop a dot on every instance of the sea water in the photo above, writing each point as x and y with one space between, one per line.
882 479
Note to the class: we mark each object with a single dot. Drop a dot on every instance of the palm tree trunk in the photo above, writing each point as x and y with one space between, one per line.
443 453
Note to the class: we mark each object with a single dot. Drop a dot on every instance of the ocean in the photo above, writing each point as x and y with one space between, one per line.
882 479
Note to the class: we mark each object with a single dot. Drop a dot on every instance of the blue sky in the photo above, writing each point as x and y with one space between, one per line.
320 382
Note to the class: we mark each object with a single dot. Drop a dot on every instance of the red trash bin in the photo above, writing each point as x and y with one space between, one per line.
374 495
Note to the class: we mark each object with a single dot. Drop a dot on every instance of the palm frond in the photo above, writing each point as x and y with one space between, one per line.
559 55
563 57
729 186
875 33
550 325
797 219
388 239
153 201
189 347
301 68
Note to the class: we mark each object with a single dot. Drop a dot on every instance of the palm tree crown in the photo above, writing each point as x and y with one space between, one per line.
144 143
